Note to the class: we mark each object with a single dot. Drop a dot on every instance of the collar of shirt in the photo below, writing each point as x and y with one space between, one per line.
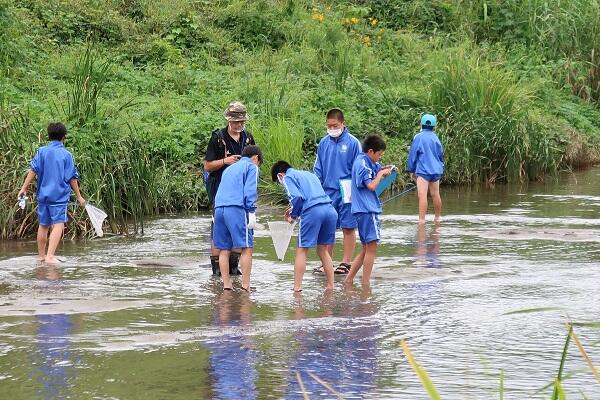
56 143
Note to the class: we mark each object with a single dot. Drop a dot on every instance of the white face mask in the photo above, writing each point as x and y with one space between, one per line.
334 132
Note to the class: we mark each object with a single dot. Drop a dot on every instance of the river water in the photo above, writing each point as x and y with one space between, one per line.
142 318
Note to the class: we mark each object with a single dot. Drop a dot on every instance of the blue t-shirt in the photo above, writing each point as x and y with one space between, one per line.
335 157
304 191
55 167
239 186
364 200
426 155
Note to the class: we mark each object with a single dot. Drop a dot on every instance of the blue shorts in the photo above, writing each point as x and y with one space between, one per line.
50 214
369 227
317 226
431 177
346 219
230 229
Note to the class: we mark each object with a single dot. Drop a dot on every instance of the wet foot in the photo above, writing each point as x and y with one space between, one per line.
51 260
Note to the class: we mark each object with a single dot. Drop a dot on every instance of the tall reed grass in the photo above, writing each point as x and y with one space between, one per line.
279 139
488 131
17 140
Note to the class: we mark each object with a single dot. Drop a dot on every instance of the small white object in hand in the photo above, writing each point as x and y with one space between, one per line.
23 202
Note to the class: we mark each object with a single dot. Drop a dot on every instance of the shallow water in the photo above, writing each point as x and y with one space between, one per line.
108 324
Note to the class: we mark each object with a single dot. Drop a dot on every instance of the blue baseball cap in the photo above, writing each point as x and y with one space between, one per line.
428 120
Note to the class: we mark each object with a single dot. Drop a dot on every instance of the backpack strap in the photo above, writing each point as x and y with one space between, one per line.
220 140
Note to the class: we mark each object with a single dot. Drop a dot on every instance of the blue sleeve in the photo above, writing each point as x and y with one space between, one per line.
36 163
357 150
361 174
318 168
294 196
413 155
251 188
70 168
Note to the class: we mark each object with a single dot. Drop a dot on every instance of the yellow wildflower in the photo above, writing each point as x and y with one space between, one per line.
354 20
366 40
318 17
374 21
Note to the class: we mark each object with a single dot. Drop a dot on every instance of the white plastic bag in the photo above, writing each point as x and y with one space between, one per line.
97 217
281 233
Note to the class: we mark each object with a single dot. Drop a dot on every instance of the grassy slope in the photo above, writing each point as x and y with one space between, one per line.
505 103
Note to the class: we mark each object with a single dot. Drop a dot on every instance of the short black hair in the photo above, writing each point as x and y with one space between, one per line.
428 128
373 142
56 131
253 150
278 168
335 113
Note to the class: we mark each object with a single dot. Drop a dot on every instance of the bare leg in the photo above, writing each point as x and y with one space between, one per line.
369 260
224 267
327 265
299 267
422 187
356 264
213 251
42 241
349 244
55 236
246 261
434 190
330 249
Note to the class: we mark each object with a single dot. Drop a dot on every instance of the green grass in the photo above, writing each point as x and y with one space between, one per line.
141 85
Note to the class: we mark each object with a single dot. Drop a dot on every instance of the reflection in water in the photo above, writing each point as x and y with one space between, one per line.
428 248
342 355
233 356
53 343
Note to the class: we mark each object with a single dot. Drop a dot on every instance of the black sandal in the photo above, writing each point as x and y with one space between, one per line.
319 270
342 269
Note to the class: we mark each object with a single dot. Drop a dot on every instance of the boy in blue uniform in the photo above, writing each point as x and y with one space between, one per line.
55 169
235 207
366 175
426 166
225 148
318 218
335 155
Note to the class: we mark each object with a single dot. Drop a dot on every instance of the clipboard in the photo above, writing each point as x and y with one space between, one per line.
386 182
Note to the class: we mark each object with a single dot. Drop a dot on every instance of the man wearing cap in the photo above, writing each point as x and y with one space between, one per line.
426 165
224 149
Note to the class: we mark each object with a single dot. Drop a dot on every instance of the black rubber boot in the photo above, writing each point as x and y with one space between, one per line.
214 262
234 262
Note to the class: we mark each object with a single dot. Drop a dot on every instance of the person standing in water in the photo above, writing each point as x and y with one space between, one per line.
224 149
235 214
426 166
312 207
57 175
336 153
